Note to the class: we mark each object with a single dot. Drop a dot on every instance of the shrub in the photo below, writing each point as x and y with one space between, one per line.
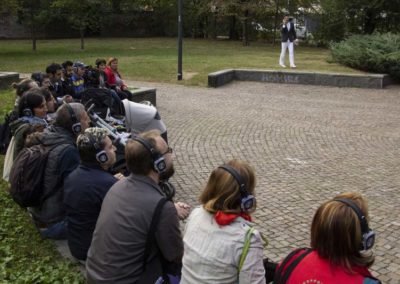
379 53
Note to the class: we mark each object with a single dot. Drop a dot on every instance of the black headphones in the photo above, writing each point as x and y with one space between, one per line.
101 155
368 236
159 163
76 125
27 112
168 189
247 201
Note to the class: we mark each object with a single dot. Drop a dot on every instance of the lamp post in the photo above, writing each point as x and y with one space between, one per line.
180 24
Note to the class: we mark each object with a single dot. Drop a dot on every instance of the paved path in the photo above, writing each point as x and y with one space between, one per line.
306 143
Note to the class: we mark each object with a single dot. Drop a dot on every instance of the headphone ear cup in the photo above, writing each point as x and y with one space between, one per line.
368 240
248 203
159 164
102 157
76 128
27 112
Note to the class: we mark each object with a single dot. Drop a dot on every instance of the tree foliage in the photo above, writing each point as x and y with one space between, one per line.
237 19
341 18
82 14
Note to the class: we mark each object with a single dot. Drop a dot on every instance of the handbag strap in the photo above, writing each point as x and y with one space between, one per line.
152 230
281 279
246 247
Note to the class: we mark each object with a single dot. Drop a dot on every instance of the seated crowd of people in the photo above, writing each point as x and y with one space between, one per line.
125 227
68 81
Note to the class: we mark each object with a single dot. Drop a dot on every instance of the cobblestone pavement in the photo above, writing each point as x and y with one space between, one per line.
306 143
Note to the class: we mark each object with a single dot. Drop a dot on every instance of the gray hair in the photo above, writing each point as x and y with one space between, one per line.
63 116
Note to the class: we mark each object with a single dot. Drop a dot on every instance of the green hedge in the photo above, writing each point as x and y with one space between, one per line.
378 53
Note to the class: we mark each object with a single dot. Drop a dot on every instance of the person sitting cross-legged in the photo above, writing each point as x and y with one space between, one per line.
221 245
124 248
86 187
71 120
78 81
341 246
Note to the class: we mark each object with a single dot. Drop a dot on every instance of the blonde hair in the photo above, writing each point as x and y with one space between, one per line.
222 191
111 60
336 232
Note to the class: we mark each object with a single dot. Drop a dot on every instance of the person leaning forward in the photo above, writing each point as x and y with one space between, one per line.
118 245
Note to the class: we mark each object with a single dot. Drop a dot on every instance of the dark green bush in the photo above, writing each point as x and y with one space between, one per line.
378 53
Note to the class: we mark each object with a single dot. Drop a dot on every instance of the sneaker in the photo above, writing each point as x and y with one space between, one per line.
293 66
282 65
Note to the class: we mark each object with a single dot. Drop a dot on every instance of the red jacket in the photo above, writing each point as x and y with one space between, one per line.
314 269
111 78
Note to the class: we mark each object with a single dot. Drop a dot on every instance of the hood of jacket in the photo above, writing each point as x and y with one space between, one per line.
53 135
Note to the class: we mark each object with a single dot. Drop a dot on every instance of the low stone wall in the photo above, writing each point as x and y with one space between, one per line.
7 78
144 94
374 81
220 78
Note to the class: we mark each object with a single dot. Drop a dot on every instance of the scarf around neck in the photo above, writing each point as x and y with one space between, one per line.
224 219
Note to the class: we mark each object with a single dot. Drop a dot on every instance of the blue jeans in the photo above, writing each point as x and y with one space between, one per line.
117 103
57 231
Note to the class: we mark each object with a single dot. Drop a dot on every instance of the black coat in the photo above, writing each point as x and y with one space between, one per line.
288 35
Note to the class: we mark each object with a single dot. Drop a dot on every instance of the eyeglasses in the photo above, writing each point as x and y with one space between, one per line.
169 151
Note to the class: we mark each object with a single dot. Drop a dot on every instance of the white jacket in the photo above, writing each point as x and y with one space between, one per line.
212 252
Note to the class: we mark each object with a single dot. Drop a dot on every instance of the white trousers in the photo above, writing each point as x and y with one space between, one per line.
287 45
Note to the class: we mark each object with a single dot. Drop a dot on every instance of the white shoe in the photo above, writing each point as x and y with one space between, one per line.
293 66
282 65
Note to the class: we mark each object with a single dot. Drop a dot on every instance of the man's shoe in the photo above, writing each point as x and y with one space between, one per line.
293 66
282 65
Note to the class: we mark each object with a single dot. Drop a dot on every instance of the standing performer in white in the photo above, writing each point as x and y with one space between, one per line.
288 37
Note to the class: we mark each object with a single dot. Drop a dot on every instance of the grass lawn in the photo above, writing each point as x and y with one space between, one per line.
24 256
155 59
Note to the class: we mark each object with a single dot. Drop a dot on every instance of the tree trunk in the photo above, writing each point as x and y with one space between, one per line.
82 33
245 36
205 27
214 26
33 31
34 44
232 28
276 22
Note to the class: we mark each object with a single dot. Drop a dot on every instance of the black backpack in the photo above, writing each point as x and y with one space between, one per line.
27 175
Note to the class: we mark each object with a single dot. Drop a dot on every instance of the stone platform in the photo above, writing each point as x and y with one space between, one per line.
371 81
7 78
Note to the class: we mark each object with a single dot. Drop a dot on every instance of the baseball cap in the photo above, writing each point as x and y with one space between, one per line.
79 64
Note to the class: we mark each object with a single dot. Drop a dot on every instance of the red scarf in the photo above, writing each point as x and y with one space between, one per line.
227 218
